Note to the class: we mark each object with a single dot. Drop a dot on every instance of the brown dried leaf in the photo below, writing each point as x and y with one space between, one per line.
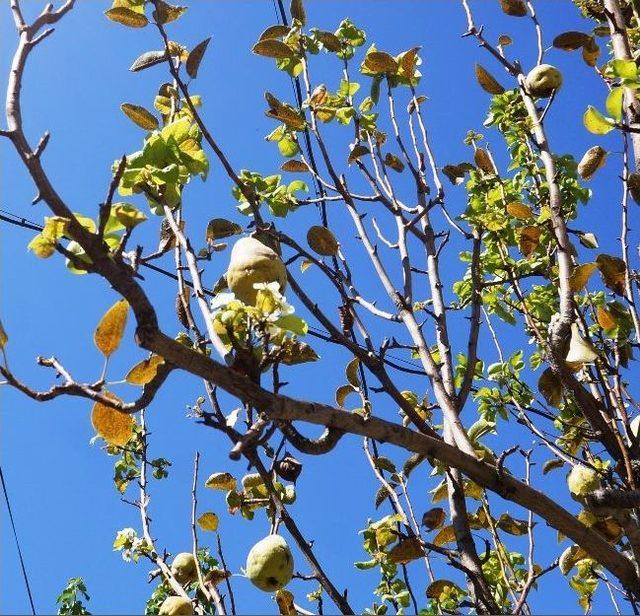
195 58
570 41
487 81
529 240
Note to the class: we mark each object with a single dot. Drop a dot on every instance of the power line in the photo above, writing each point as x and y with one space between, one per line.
15 536
413 367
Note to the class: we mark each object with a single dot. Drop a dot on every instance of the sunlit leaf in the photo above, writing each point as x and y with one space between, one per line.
140 116
127 17
112 425
580 276
110 330
596 123
221 481
208 521
144 371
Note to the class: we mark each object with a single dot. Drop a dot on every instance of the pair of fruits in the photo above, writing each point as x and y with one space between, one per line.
269 567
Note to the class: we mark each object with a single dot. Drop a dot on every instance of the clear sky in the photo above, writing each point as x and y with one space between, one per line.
66 507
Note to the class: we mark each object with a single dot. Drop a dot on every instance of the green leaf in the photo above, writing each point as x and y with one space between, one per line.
195 58
625 69
127 215
614 102
596 123
127 17
293 323
140 116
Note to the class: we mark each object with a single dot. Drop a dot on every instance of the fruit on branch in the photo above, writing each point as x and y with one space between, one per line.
543 80
581 351
592 160
583 480
184 568
270 563
253 262
175 606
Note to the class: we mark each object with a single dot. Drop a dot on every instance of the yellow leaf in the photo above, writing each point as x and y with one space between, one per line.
110 330
221 481
436 588
140 116
3 337
42 246
208 521
580 276
144 371
127 17
112 425
606 320
519 210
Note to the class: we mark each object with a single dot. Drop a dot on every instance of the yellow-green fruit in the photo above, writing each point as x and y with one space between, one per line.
583 480
183 568
175 606
270 563
543 80
253 262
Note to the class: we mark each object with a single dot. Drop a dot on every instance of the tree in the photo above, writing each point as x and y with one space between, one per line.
529 268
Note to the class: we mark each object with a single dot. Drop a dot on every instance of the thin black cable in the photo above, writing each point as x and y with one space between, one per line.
15 536
25 223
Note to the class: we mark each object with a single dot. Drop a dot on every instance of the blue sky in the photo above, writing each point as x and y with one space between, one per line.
66 507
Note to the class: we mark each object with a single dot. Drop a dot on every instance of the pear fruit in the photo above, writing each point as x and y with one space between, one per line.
581 351
270 564
175 606
253 262
184 568
583 480
592 160
543 80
